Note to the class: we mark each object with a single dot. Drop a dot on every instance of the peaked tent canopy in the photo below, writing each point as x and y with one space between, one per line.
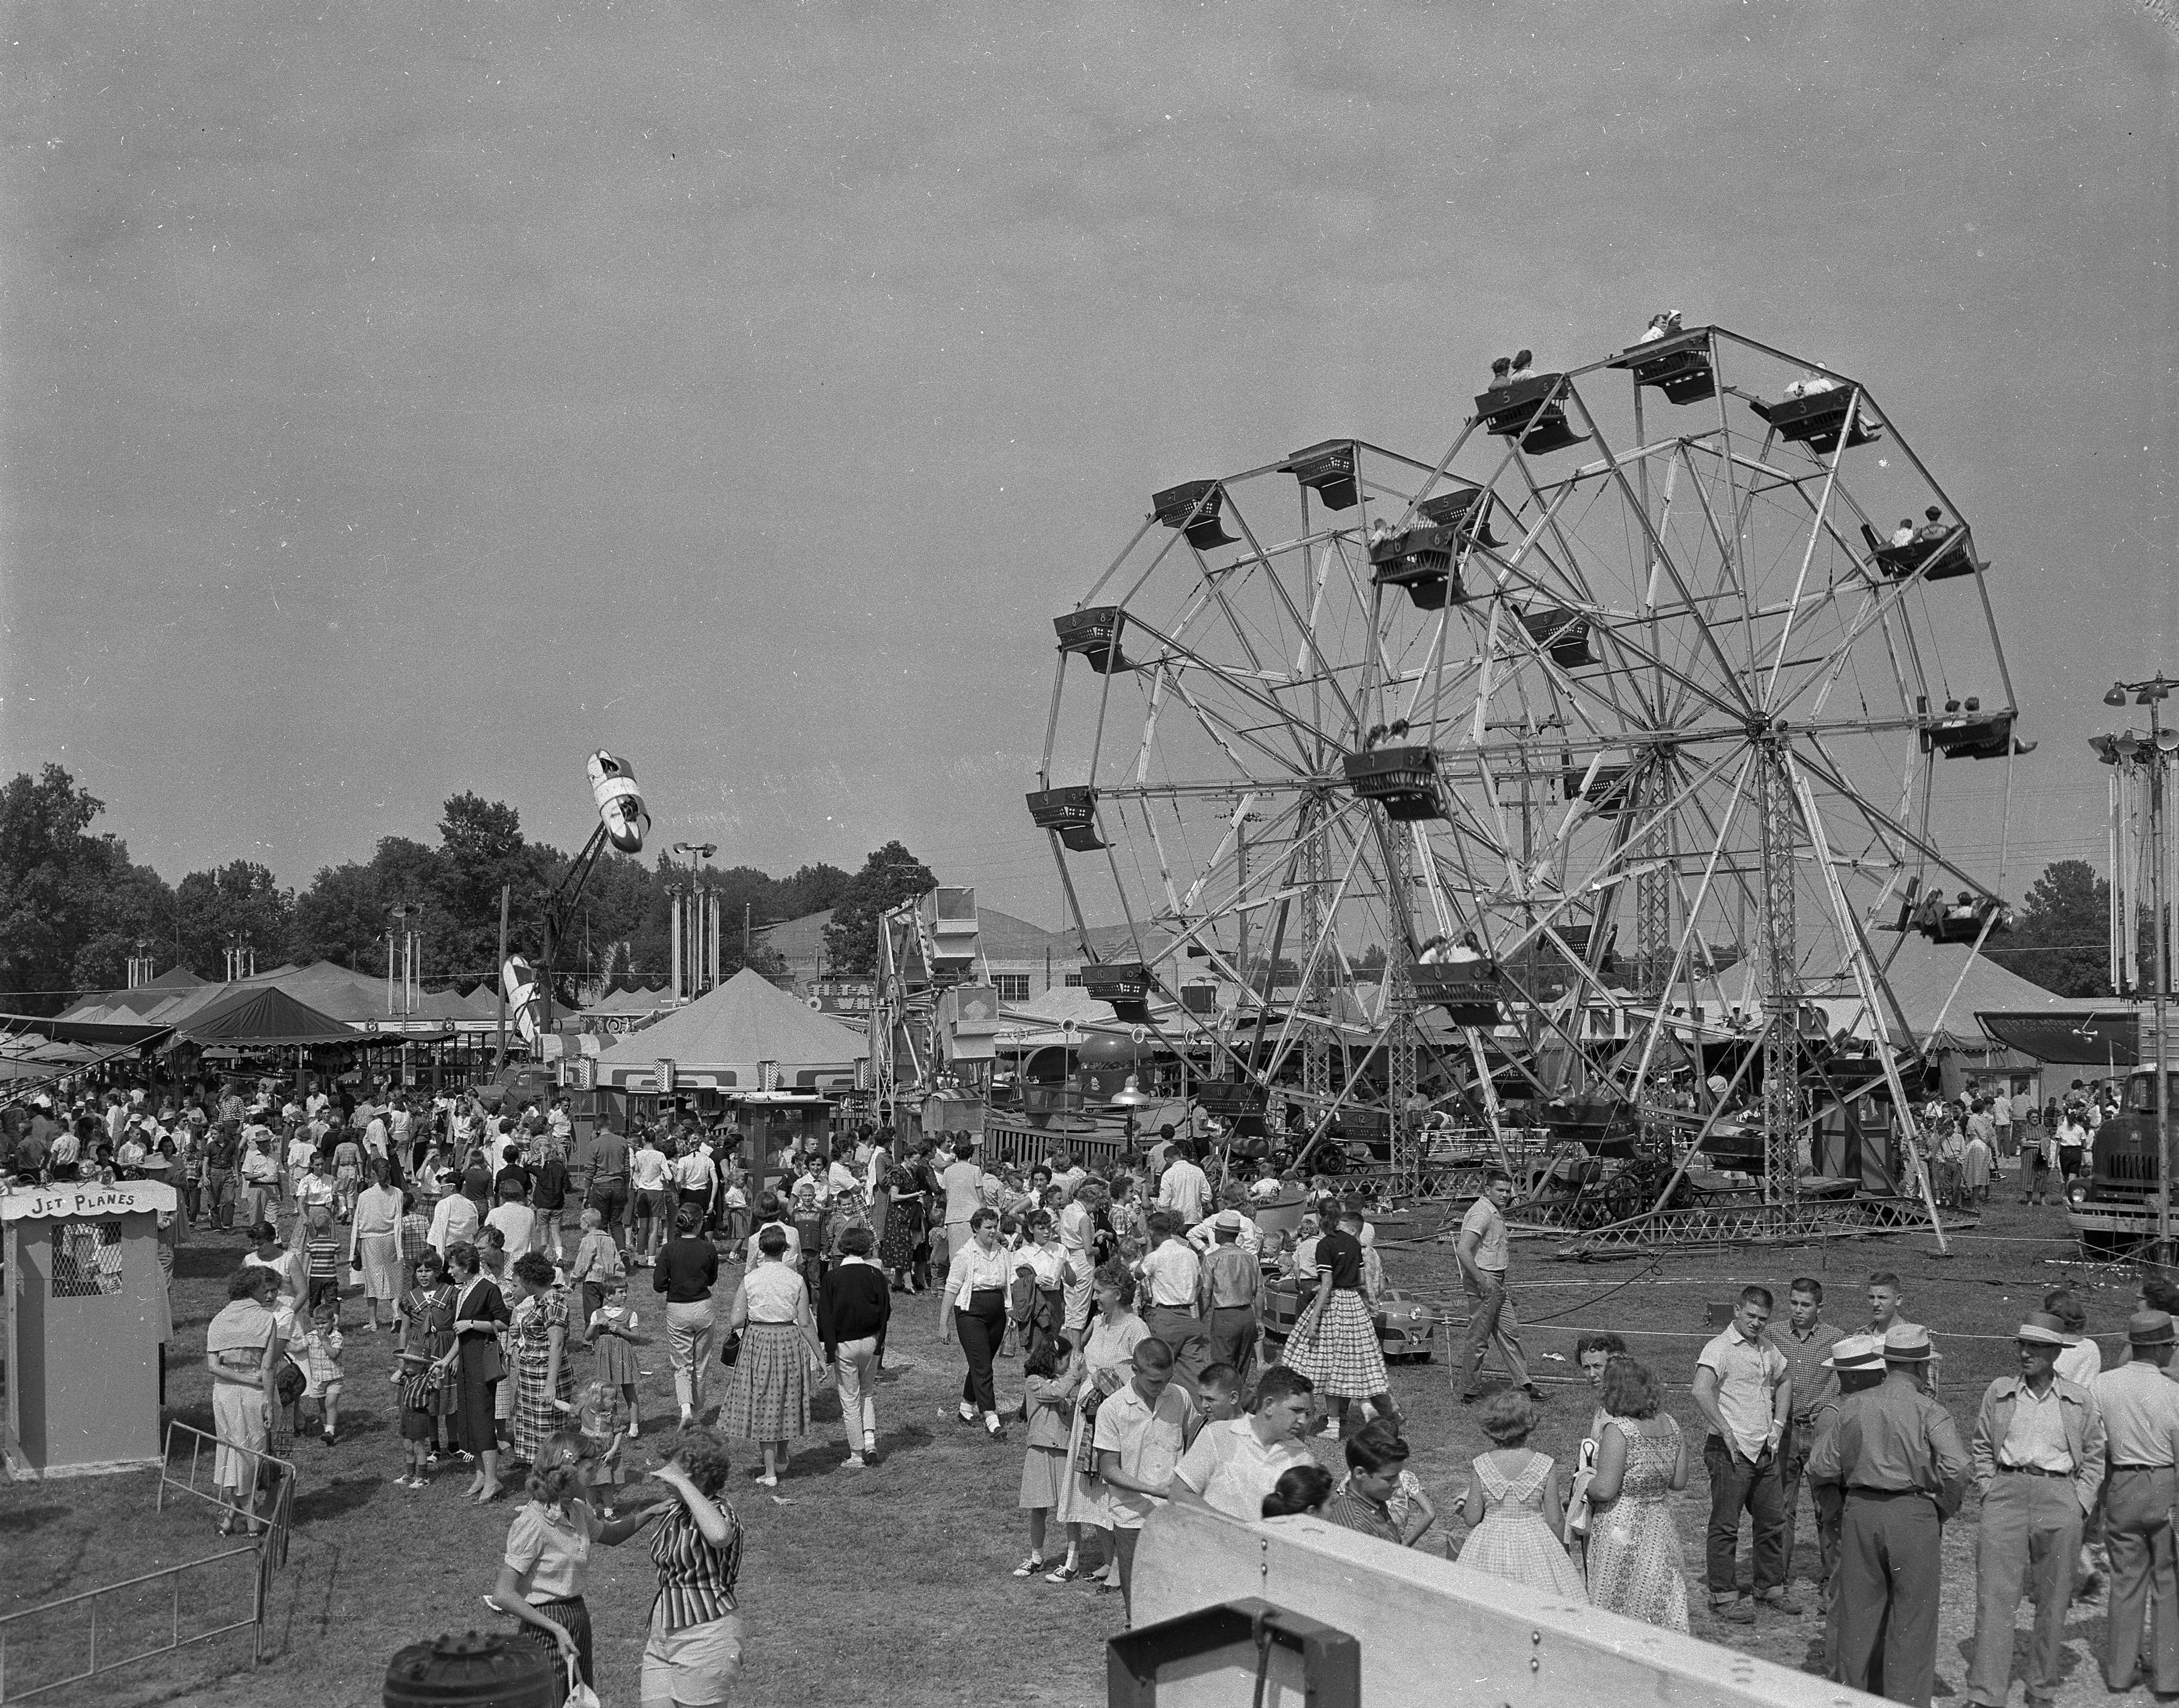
723 1039
266 1016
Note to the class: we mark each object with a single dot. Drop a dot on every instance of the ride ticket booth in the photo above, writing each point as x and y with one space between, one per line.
86 1310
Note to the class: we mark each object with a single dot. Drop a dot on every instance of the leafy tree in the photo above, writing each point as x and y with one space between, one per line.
2059 939
131 911
241 900
62 889
889 878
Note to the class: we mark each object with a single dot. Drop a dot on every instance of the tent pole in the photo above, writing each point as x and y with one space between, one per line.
499 1055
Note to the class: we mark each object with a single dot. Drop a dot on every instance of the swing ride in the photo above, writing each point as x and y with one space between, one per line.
1523 803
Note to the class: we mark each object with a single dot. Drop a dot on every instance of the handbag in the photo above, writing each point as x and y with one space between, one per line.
1085 1456
288 1382
730 1347
580 1695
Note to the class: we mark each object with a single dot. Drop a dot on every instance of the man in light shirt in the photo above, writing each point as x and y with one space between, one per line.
1140 1435
1186 1187
1173 1277
2140 1408
1481 1251
1742 1386
1232 1465
962 1184
647 1173
2038 1454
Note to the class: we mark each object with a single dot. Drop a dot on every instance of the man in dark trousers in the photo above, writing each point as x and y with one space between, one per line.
1896 1454
2039 1456
2140 1407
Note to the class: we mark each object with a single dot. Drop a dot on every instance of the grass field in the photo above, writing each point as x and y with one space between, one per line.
891 1585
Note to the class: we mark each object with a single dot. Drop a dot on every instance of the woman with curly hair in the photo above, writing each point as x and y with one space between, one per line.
693 1655
544 1373
1635 1561
547 1565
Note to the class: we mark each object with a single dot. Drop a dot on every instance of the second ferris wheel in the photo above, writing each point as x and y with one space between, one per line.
1607 749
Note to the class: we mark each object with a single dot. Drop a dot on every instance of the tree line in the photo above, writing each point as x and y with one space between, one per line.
74 908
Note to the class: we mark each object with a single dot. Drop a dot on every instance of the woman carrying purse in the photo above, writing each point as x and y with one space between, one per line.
475 1363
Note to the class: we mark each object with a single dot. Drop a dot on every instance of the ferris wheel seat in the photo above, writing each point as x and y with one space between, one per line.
1467 508
1194 507
1402 780
1605 792
1423 561
1469 991
1935 560
1072 810
1328 470
1816 421
1125 985
1526 409
1679 367
1564 634
1095 632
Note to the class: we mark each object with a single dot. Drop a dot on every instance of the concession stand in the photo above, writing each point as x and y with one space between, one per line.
87 1315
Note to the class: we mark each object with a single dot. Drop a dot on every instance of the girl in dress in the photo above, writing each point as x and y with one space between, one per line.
1047 1402
1105 1364
602 1415
612 1338
1514 1508
1634 1564
544 1365
426 1315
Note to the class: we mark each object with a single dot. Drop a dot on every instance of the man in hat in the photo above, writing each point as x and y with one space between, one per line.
2039 1458
1893 1455
2140 1408
1230 1275
1854 1363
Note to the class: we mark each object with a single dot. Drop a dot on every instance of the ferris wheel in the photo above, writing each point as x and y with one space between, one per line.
1628 721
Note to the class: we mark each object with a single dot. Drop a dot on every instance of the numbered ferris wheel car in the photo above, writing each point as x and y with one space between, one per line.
620 803
526 1000
1405 1327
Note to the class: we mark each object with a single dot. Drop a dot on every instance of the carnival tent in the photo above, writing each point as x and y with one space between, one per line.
255 1019
726 1040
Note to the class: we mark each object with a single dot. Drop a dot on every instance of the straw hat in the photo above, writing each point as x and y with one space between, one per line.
1907 1343
2043 1329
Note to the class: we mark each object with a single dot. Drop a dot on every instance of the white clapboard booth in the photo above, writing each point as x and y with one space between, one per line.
86 1310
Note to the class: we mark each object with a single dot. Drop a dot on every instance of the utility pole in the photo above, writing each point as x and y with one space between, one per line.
499 1055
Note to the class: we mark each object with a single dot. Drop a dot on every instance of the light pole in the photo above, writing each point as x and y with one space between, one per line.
2153 756
694 932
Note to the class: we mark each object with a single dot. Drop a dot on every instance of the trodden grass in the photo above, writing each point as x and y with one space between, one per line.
892 1584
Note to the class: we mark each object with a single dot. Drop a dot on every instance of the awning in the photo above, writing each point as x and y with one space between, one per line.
2091 1038
111 1034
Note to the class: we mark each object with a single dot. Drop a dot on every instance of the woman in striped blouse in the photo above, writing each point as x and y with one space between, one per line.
694 1652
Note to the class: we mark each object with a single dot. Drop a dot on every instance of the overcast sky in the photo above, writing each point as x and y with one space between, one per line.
409 398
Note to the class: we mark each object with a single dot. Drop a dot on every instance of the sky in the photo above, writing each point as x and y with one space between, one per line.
404 398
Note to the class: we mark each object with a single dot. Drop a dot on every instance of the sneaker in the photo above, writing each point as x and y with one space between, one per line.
965 1414
996 1429
1030 1566
1739 1613
856 1462
1782 1601
1330 1432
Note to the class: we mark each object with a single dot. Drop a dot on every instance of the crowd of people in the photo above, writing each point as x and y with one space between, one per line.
1149 1372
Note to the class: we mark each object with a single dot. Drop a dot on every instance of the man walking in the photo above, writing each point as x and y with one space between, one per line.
1482 1254
1807 1346
1172 1277
1230 1278
2039 1458
2140 1408
1741 1386
1893 1454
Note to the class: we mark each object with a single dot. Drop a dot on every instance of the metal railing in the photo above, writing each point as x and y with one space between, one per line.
94 1667
267 1548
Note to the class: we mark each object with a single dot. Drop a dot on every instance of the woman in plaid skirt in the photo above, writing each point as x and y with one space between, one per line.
544 1373
1335 1342
769 1400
